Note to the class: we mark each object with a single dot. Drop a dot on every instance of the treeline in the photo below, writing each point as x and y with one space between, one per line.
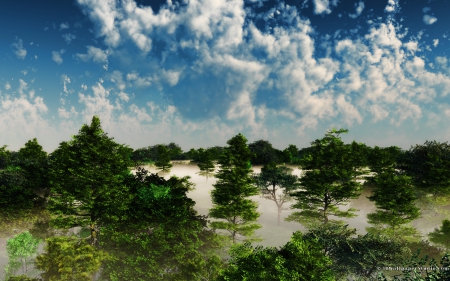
145 227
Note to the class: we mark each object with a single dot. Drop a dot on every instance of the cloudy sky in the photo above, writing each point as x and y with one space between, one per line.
198 72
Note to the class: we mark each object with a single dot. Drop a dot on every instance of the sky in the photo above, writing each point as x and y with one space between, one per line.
198 72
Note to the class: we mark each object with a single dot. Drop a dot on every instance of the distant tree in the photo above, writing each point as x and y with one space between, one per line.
16 196
291 154
215 152
230 192
328 182
263 153
5 157
83 173
273 176
429 167
441 235
298 260
394 198
176 153
163 162
205 164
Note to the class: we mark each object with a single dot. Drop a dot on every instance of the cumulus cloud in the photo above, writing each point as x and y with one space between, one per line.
427 19
324 6
56 56
18 49
359 7
392 6
68 37
96 54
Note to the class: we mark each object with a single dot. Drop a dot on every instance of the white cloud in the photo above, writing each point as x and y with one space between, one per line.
96 54
83 86
64 25
18 49
392 6
124 96
56 56
68 37
427 19
24 72
323 6
411 46
435 42
359 7
426 9
7 86
63 113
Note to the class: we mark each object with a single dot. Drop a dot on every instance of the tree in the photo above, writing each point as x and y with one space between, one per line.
161 236
5 157
429 167
273 176
291 154
21 250
230 192
298 260
441 235
206 165
69 259
87 180
394 198
359 256
176 153
163 162
329 180
263 153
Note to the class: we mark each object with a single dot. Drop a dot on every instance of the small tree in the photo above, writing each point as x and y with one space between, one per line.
206 164
273 176
441 235
394 198
230 193
163 162
21 250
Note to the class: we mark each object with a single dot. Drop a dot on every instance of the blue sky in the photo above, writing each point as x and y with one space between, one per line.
198 72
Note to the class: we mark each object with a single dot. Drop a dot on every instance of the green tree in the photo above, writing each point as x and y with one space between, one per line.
84 172
5 157
21 250
273 176
329 180
298 260
441 235
163 162
230 192
394 198
161 236
205 164
291 154
263 153
69 259
429 167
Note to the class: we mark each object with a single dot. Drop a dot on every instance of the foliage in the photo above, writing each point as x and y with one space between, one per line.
20 249
163 161
230 192
298 260
15 194
394 199
429 167
68 258
416 269
272 176
264 153
441 235
291 154
89 169
160 236
329 180
205 162
23 278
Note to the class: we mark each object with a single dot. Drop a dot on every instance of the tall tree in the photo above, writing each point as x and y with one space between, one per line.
329 180
394 198
235 183
87 180
163 162
271 179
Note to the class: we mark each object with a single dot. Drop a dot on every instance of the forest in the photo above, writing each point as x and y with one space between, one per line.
141 226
